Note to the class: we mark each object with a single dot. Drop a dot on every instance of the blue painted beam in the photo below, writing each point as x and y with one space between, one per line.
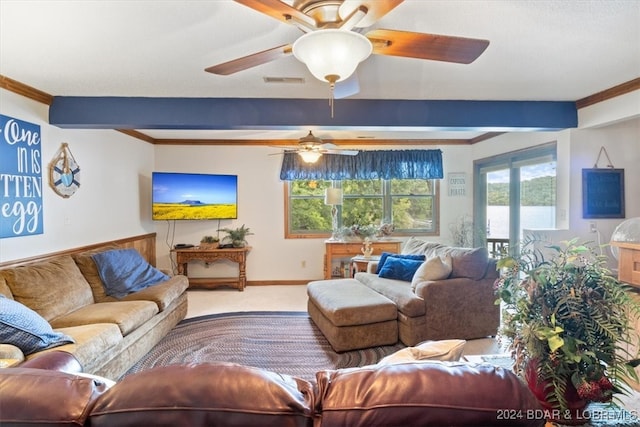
280 113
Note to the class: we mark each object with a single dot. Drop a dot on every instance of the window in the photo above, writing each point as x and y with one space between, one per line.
410 204
514 192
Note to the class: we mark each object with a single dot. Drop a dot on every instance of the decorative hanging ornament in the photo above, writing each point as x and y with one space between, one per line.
64 172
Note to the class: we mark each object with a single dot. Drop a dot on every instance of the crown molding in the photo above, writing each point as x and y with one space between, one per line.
25 90
606 94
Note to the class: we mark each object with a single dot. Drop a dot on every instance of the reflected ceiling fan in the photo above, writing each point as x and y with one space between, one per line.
310 148
333 46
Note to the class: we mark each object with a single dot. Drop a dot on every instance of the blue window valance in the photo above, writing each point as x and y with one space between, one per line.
379 164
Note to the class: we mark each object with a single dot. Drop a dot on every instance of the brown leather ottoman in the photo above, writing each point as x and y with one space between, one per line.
351 315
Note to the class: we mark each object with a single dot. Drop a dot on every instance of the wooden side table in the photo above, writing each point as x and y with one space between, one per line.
237 255
360 263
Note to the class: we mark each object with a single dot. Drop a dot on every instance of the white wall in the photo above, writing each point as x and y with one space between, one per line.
115 171
622 143
455 158
578 149
261 206
114 200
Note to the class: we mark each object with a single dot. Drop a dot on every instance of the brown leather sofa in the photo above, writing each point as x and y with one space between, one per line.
224 394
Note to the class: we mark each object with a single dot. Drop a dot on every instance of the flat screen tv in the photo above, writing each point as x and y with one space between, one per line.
193 196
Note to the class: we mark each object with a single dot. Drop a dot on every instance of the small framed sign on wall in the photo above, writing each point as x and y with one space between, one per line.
603 193
457 184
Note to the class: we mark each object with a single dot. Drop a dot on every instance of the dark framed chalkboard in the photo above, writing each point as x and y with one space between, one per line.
603 193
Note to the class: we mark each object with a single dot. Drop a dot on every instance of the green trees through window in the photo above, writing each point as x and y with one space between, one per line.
535 192
410 204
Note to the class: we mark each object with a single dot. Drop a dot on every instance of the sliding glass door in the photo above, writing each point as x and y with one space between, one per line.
513 192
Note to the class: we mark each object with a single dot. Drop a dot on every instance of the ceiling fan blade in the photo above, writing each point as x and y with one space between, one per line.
250 61
311 143
340 152
279 10
330 148
426 46
347 87
376 9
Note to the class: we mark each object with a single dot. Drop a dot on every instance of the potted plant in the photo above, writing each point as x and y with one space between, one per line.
209 242
568 323
236 236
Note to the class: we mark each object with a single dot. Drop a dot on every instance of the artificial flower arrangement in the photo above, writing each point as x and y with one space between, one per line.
358 232
386 229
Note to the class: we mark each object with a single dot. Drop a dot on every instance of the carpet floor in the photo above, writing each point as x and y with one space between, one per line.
283 342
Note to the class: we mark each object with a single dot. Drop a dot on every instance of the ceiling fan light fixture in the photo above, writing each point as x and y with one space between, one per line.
332 55
309 156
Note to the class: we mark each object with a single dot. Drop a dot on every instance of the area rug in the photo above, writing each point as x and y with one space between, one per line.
283 342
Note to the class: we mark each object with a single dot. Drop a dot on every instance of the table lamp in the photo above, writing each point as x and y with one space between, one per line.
333 197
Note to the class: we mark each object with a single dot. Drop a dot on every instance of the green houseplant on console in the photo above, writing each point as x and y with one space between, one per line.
568 324
236 236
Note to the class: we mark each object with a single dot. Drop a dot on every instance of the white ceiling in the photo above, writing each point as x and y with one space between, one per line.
553 50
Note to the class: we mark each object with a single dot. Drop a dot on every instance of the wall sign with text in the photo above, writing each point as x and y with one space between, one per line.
457 184
603 193
20 178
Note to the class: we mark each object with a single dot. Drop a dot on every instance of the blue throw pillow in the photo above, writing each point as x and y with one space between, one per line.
385 255
124 271
399 268
26 329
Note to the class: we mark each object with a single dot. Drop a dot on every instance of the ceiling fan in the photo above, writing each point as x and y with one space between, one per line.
330 26
310 148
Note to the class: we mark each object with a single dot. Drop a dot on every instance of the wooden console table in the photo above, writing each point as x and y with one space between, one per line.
347 250
629 273
628 262
237 255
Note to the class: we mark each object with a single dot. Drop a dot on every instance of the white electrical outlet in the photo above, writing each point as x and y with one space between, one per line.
593 228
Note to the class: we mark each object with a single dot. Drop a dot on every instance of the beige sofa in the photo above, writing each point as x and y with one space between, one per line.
110 334
362 312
